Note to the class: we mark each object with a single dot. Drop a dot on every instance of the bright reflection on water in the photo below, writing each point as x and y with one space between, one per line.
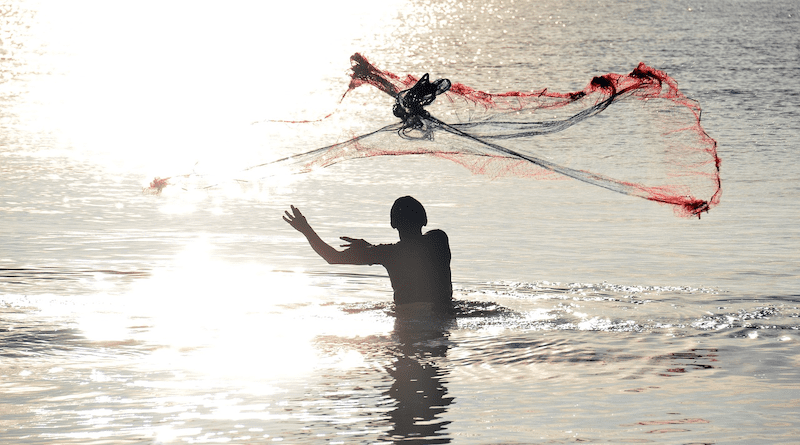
190 346
235 319
147 86
271 357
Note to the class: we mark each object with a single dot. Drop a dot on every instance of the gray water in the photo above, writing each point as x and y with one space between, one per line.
201 317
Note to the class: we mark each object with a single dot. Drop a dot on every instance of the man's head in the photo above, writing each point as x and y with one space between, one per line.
408 213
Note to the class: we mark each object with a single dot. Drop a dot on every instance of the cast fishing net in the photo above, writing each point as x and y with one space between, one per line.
639 135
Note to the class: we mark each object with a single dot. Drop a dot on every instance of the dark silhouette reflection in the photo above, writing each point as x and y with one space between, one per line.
23 334
58 280
419 387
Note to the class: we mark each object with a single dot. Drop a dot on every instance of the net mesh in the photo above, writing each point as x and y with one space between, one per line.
639 135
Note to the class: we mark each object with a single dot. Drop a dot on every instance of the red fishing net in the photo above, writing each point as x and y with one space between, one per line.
639 135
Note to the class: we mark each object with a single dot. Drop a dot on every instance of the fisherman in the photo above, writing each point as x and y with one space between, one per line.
418 264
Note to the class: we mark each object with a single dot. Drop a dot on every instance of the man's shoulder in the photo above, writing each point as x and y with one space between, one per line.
437 235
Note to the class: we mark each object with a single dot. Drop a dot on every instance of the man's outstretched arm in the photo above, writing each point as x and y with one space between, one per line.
357 251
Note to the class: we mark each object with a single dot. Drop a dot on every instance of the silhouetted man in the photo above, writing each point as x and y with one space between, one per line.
418 264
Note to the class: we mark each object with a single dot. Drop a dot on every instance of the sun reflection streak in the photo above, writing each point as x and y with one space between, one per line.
227 320
214 319
206 321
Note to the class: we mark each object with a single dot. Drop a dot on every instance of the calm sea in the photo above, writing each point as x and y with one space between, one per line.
199 316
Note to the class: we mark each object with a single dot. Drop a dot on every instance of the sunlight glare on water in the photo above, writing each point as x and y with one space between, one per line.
161 86
199 305
226 320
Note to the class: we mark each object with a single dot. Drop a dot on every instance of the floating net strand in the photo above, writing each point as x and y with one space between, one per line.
639 135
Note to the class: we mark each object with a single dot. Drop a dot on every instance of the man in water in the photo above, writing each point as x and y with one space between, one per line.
418 265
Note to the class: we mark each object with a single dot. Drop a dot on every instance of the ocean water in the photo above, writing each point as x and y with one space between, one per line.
199 316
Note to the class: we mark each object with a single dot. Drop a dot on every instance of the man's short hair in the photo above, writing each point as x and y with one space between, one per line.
408 212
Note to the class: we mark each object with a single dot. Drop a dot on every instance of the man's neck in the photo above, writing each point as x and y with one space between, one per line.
408 234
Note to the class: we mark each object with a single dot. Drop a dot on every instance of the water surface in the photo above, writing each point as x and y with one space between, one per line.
201 317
